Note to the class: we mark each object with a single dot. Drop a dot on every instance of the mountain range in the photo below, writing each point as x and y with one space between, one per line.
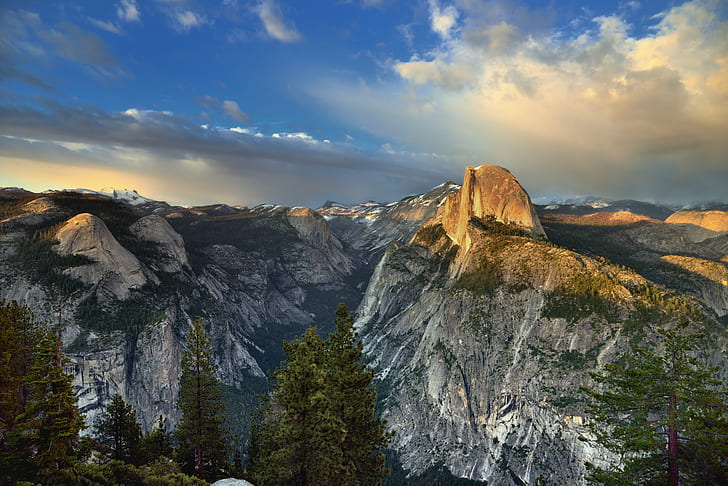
481 312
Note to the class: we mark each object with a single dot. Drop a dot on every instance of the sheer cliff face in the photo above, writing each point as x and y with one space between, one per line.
481 329
255 276
483 335
489 190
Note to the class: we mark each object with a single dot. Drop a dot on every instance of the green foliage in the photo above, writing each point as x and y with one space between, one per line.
12 206
583 295
573 359
354 398
429 235
162 472
318 425
42 441
493 227
119 432
484 280
437 475
157 443
44 266
664 417
131 315
19 334
203 447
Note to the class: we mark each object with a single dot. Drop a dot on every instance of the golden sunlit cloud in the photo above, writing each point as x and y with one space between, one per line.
589 112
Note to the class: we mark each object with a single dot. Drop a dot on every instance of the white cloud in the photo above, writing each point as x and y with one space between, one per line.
107 26
443 20
211 164
127 11
274 24
619 114
146 115
237 130
186 20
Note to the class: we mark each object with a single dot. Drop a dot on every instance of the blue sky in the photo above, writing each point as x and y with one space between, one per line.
251 101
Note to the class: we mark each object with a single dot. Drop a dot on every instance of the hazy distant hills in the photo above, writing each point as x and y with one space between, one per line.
482 312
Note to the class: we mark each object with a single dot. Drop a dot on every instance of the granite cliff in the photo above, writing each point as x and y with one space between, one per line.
483 332
482 313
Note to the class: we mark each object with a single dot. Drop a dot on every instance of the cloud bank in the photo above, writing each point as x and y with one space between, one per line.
593 110
168 156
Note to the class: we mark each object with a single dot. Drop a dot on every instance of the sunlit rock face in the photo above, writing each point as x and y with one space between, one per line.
711 220
489 190
115 267
471 316
482 339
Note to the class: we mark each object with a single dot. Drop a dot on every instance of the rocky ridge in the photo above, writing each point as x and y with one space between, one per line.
115 271
483 332
480 343
711 220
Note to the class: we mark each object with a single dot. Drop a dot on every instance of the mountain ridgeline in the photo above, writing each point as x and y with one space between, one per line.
481 313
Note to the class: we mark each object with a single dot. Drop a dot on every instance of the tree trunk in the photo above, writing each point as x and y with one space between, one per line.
201 464
672 471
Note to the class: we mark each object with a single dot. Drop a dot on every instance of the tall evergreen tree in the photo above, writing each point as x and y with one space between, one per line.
203 446
354 397
318 426
118 430
664 417
297 440
45 441
19 337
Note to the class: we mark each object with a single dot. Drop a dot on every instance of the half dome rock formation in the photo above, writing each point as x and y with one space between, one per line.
711 220
489 191
115 268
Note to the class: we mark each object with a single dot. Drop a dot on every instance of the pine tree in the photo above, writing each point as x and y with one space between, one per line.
318 426
297 440
118 430
203 446
664 417
354 398
45 441
157 443
19 337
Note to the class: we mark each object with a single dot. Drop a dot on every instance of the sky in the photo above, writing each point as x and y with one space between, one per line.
299 102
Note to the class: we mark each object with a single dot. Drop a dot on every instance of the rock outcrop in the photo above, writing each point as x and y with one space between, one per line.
604 218
115 269
489 191
481 331
710 220
157 230
370 227
483 335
